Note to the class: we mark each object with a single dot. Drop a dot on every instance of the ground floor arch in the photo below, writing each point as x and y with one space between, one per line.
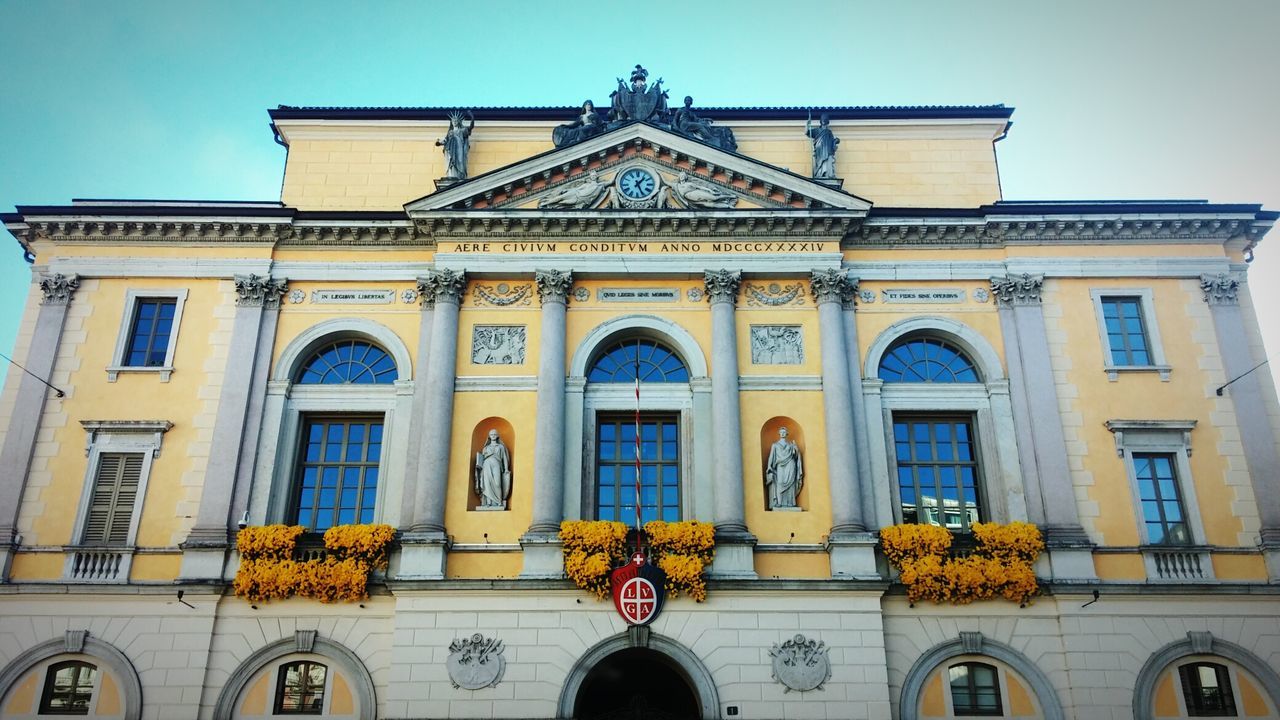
634 676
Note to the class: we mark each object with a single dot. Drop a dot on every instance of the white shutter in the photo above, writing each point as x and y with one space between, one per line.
115 489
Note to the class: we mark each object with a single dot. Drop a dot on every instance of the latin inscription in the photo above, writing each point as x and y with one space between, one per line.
639 294
923 295
353 297
637 247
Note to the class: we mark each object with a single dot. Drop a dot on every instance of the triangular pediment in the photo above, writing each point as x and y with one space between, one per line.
639 168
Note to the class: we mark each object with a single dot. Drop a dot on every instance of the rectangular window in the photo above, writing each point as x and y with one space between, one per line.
68 688
1162 510
300 688
115 490
659 449
937 471
1126 330
149 335
338 471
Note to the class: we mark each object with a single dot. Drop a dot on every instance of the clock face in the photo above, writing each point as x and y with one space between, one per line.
637 183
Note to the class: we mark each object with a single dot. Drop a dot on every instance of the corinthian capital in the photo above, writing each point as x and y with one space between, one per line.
831 285
553 285
446 285
1220 289
58 288
1021 289
722 285
259 290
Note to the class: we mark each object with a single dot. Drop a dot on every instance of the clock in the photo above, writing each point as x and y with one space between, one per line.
637 184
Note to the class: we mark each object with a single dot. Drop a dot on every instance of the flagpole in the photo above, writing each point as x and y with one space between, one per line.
639 528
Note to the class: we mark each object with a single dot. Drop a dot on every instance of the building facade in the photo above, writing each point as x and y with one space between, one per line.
838 325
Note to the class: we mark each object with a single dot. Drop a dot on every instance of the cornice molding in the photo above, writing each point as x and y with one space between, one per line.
163 230
886 232
637 223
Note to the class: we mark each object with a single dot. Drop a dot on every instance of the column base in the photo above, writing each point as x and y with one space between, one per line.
1270 547
853 556
1070 554
421 557
734 560
543 556
203 562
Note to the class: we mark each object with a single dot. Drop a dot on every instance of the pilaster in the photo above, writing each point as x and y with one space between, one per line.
20 441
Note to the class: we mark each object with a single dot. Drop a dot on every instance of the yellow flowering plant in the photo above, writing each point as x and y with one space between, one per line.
592 549
683 550
269 572
1000 565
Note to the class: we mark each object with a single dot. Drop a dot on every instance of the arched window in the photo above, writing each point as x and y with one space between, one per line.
348 362
655 362
975 689
1206 687
926 360
300 688
68 688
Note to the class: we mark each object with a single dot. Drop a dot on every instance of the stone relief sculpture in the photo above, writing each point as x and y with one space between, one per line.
493 474
824 147
476 662
457 145
588 124
698 194
784 473
776 345
801 664
498 345
576 195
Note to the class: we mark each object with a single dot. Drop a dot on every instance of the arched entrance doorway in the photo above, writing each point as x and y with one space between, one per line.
639 675
636 684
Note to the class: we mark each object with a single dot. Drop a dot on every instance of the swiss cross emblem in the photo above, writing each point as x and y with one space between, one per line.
638 590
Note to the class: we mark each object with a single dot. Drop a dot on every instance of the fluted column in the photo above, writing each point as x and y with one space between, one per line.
1257 437
830 288
548 447
726 417
204 551
20 441
1034 398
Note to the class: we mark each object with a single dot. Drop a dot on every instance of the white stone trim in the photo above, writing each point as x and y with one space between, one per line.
1200 645
682 342
496 383
748 383
1146 302
90 649
131 298
644 264
975 646
982 271
152 267
971 341
300 347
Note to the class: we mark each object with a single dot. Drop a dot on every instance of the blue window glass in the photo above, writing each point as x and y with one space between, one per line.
338 474
616 468
926 360
653 361
149 332
1162 511
349 362
1126 332
937 472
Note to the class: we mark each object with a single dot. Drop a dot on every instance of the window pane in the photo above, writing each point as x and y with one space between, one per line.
342 457
655 361
926 360
348 362
937 475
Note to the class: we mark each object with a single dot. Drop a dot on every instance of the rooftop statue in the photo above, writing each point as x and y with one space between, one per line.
457 145
588 124
824 147
639 102
686 122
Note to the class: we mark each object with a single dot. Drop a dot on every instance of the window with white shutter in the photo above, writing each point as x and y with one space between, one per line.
115 490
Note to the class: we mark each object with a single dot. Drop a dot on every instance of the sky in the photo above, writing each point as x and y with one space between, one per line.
1114 99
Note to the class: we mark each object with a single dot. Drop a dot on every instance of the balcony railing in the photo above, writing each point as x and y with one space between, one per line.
1178 564
104 565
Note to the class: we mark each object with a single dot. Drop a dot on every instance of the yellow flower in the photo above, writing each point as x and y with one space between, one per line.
1001 564
268 570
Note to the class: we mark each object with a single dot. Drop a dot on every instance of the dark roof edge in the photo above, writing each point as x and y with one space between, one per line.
147 209
566 113
1083 207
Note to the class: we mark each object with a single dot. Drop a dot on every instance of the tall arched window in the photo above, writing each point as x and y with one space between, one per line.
926 360
616 436
348 362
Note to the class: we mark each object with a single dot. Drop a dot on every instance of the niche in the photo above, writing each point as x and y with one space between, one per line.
786 483
491 466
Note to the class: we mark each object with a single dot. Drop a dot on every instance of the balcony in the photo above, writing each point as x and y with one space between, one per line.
98 564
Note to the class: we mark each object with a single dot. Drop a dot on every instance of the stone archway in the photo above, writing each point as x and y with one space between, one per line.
659 679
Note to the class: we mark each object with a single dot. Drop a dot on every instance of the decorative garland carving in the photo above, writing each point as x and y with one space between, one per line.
1021 289
722 285
801 664
259 290
773 294
445 285
476 662
502 295
58 288
553 285
1220 289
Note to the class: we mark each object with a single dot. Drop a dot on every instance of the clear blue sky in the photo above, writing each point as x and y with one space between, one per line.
167 99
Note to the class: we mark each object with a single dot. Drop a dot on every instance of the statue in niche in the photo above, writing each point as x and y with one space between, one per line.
698 194
686 122
784 472
588 124
493 474
576 195
457 144
824 146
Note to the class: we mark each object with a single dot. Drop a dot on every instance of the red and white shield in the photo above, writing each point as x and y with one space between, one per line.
638 601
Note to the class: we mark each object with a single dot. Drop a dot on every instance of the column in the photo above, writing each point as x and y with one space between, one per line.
1257 437
851 547
422 553
876 511
733 542
541 544
205 549
419 411
20 441
1034 398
